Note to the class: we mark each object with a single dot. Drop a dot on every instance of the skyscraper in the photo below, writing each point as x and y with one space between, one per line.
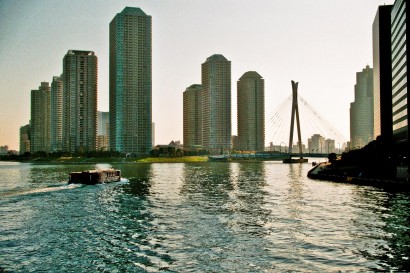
103 131
382 73
40 119
80 101
56 114
192 116
251 112
316 144
361 110
216 104
399 71
131 82
24 139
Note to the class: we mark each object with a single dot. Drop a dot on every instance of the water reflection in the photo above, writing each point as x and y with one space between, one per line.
247 199
227 228
139 176
208 217
383 218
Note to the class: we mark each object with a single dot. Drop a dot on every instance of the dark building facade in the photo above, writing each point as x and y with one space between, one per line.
382 73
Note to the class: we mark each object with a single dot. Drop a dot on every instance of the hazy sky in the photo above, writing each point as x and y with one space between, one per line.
319 43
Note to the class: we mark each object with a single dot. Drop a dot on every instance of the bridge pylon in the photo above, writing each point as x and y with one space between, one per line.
295 114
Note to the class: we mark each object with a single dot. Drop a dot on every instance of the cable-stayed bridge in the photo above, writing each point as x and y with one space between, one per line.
311 122
309 125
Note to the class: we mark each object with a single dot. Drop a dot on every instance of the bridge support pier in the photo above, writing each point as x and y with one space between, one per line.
295 113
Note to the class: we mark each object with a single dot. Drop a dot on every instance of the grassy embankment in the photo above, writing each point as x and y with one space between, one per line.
183 159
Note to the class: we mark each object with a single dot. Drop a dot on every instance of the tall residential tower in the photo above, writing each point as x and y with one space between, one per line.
251 112
131 82
40 119
56 114
192 116
216 104
79 101
103 125
24 139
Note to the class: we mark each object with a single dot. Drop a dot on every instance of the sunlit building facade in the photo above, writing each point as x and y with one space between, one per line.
399 70
131 82
216 104
361 110
56 114
80 70
192 116
251 112
40 119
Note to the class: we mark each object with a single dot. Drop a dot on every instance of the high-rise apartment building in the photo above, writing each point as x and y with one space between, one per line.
103 121
316 144
192 116
40 119
361 110
399 70
56 114
24 139
103 131
330 146
216 104
80 70
251 112
153 134
382 73
131 82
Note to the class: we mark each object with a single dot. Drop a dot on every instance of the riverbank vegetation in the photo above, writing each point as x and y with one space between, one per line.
97 157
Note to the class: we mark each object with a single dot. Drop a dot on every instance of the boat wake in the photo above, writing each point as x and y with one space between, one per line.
40 190
52 188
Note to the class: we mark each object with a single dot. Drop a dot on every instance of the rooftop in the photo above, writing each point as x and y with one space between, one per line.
250 74
132 10
216 57
194 86
80 52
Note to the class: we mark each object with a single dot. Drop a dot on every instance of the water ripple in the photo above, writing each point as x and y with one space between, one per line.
216 217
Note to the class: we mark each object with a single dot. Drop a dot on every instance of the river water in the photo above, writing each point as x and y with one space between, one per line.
204 217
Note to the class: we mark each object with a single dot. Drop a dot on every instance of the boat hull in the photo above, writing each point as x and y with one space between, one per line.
93 177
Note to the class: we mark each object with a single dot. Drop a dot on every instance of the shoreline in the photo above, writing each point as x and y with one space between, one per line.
323 172
115 160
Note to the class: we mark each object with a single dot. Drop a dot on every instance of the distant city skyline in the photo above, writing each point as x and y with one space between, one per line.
309 42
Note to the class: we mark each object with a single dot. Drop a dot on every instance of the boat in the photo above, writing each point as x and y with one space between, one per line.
295 160
93 177
218 158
